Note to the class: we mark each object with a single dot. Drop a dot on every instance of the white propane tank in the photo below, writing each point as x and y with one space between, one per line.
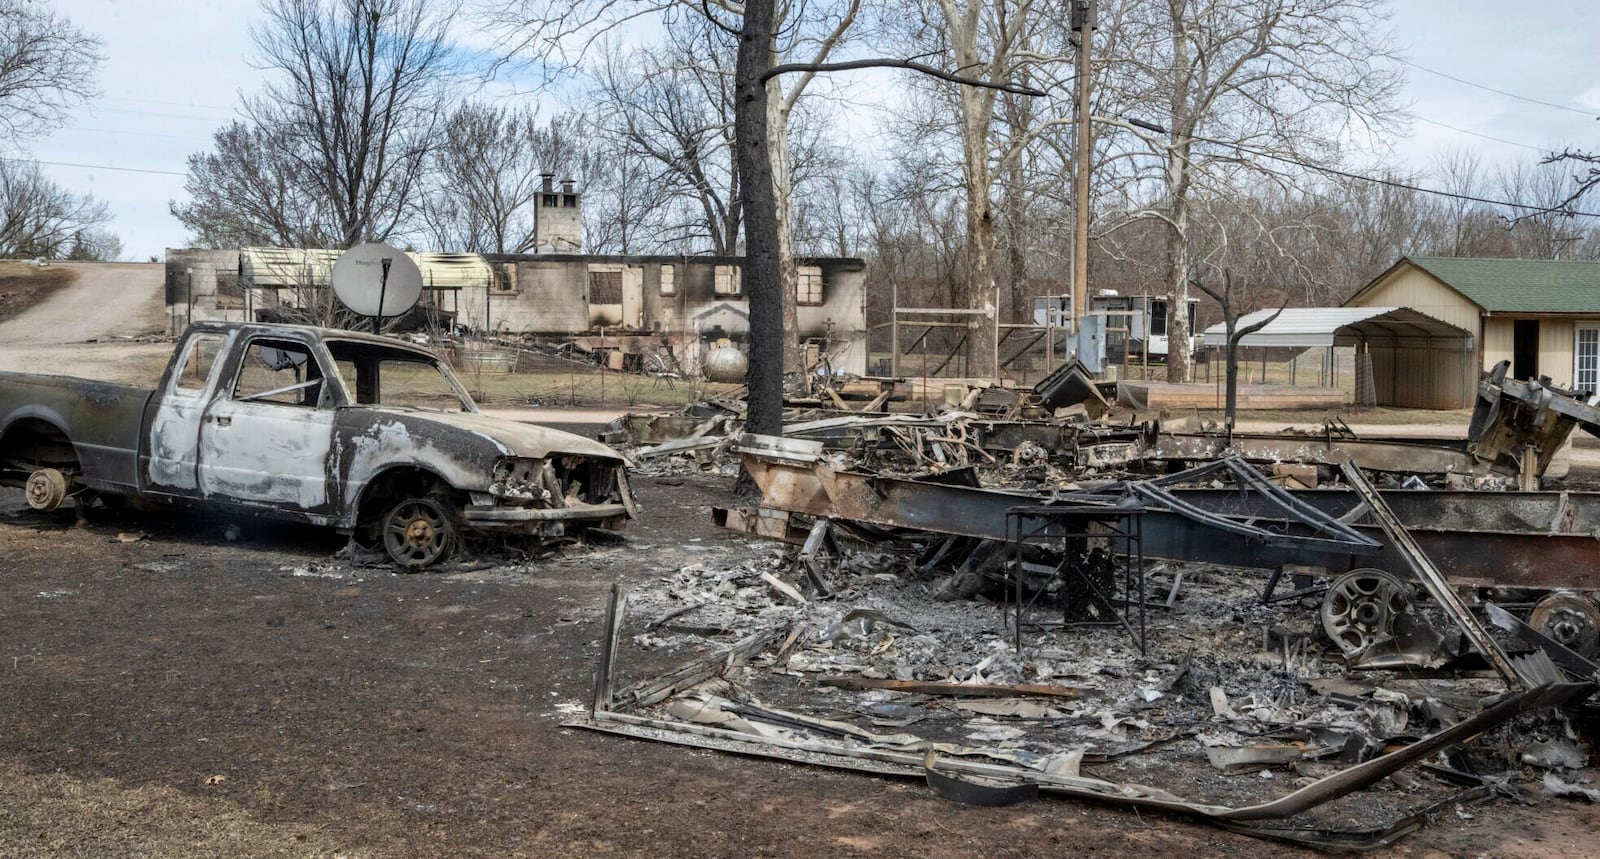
725 363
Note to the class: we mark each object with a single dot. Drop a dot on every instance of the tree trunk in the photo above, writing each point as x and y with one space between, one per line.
1021 292
1178 292
761 268
978 288
783 202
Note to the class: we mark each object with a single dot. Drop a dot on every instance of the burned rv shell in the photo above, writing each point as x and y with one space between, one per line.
366 434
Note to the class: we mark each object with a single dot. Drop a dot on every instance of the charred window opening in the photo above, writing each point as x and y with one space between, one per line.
725 280
378 375
808 286
274 371
605 287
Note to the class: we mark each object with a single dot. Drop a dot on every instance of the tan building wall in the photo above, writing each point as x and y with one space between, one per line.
1557 344
1498 340
1414 288
1421 375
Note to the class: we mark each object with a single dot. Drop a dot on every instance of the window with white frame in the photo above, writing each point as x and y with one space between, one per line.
669 280
1586 360
725 280
808 285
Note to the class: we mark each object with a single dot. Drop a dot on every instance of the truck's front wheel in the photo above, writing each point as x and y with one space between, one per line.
418 532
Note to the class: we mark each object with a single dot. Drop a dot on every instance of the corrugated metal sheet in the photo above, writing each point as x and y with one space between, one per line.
1308 327
288 267
454 271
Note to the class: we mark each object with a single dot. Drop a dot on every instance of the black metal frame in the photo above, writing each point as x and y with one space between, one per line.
1119 529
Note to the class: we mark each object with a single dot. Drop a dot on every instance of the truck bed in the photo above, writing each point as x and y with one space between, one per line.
102 419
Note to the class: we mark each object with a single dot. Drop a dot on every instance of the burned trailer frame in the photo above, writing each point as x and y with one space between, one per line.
795 479
1536 541
1391 456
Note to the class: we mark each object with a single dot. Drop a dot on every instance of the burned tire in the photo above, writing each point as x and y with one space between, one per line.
419 532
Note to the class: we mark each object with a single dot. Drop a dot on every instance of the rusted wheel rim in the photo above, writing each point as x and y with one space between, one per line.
46 489
1570 619
1362 606
416 533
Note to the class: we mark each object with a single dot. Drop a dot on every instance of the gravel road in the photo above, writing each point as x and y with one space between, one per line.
108 301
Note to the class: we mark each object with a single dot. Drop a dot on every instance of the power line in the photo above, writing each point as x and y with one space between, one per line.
1477 134
96 166
1393 183
131 112
1588 113
114 131
188 104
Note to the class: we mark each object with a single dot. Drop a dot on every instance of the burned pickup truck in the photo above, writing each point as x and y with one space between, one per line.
366 434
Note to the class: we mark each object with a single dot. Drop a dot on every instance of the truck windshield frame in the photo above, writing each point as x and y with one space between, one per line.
365 369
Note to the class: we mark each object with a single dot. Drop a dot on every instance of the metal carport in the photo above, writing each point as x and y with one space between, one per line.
1417 361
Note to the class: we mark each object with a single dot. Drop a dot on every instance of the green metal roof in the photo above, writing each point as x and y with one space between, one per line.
1519 285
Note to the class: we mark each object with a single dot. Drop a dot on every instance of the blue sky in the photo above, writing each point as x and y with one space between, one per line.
174 73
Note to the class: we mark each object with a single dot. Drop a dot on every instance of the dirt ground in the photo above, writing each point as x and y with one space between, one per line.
164 691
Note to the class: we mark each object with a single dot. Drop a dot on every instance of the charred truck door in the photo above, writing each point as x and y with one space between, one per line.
172 463
265 438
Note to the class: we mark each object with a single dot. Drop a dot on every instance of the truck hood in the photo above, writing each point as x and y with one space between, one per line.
519 439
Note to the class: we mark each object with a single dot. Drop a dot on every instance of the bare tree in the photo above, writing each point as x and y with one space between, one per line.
485 175
986 41
355 98
38 218
1255 86
1585 180
47 66
250 190
671 106
565 33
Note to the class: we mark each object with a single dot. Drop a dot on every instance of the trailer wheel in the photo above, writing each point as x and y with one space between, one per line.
1362 606
418 532
1570 619
46 489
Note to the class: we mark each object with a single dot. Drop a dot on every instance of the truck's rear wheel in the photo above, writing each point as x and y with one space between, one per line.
46 489
418 532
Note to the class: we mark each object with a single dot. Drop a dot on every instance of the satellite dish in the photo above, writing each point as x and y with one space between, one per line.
359 280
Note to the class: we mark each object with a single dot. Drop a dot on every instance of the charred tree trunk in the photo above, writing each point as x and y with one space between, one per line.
762 276
1230 320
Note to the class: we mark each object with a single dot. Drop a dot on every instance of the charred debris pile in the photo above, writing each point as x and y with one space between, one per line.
1317 638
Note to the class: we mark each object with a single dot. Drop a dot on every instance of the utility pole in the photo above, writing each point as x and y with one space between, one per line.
1083 12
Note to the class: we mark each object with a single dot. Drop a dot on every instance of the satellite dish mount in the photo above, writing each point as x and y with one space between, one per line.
376 280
